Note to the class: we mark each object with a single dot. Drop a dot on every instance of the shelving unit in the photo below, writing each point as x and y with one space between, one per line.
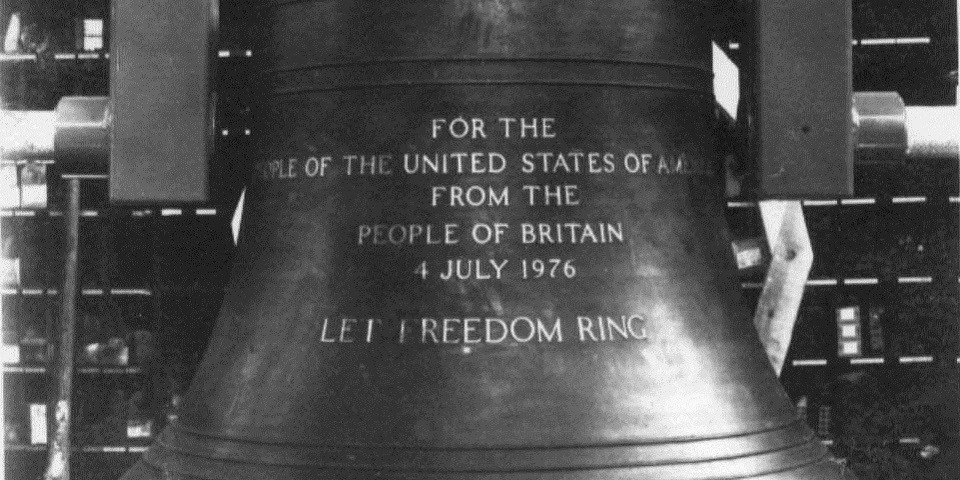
154 270
134 288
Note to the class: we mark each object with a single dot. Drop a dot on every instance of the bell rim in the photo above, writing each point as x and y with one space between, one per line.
752 454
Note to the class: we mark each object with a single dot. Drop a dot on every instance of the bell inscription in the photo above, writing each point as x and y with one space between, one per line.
525 173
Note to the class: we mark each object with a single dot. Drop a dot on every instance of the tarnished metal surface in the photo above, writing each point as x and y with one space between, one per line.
558 157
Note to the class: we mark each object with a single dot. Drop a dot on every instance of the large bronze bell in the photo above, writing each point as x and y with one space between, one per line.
485 239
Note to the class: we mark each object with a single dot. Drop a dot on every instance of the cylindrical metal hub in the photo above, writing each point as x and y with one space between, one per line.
887 129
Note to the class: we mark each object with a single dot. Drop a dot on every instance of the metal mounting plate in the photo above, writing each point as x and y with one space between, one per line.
803 136
160 85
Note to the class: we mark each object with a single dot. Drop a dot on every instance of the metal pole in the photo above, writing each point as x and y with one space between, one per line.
58 462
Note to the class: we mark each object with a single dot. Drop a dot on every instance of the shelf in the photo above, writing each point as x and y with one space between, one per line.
850 202
101 55
908 360
131 449
87 292
87 370
835 282
97 213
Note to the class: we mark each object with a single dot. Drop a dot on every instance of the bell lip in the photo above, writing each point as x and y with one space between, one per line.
804 461
787 423
747 455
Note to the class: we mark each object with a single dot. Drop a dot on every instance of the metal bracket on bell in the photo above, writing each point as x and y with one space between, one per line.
154 134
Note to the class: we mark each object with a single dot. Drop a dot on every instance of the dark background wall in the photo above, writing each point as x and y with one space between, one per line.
152 276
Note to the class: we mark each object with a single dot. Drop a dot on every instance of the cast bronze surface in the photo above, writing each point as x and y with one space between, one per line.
345 348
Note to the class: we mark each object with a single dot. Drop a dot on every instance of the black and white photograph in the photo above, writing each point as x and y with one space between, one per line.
479 240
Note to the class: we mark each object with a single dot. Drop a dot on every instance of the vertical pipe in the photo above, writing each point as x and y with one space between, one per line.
58 461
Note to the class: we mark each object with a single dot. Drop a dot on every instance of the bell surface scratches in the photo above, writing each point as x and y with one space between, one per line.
485 240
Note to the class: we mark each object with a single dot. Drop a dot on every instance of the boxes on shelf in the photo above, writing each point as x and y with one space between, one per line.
750 253
33 185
